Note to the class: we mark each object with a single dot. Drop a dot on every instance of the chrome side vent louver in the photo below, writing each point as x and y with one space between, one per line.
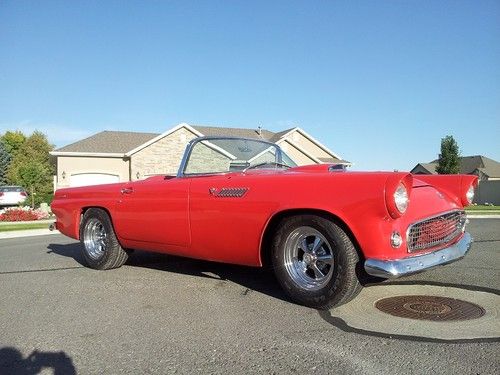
228 192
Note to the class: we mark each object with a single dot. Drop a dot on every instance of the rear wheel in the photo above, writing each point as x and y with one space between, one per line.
315 262
101 248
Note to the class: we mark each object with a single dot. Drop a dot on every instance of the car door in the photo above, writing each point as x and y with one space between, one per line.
154 211
227 217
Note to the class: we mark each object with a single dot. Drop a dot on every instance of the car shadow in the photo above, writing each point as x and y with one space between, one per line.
261 280
72 250
12 362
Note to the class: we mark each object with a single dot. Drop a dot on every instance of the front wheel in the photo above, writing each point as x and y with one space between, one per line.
101 248
315 262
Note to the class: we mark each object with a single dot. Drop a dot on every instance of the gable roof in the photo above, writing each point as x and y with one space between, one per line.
430 168
265 135
277 136
108 142
490 167
469 165
124 144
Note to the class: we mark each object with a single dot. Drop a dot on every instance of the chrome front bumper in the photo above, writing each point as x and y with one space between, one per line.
392 269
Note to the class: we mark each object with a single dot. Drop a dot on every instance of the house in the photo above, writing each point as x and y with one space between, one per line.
117 156
485 168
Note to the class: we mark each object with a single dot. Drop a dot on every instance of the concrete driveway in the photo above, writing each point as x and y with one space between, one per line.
162 314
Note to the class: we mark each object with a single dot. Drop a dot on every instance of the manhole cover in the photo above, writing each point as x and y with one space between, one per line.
429 308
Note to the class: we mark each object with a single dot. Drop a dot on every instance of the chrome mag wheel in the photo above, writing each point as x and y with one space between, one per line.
95 238
308 258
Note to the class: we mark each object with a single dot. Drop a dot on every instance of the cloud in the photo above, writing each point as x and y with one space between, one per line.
59 135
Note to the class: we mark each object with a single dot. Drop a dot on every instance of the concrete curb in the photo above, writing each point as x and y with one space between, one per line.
45 221
27 233
483 216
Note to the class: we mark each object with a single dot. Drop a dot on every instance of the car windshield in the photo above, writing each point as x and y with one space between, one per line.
221 155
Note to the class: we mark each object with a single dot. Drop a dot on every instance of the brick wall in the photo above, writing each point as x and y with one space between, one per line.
161 157
206 159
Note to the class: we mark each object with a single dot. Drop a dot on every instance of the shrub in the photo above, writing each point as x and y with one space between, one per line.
43 198
22 214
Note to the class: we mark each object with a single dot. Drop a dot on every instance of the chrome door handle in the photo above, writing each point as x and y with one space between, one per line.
126 190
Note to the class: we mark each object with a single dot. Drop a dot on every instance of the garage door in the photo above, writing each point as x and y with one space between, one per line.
85 179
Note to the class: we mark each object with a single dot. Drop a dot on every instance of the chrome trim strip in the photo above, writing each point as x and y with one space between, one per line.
392 269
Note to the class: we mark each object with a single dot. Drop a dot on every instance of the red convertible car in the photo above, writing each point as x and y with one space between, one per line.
244 201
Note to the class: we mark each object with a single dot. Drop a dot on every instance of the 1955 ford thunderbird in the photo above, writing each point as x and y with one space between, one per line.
244 201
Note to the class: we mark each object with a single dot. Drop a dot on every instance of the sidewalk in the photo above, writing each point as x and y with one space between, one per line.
479 216
46 221
27 233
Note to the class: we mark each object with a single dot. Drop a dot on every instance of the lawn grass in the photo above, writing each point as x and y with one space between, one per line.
11 227
482 208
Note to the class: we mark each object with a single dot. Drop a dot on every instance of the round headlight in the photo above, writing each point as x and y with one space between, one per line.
401 198
470 194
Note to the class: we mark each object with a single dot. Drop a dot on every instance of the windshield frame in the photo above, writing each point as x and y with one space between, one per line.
190 146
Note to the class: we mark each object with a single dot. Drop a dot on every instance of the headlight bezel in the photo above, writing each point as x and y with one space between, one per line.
397 194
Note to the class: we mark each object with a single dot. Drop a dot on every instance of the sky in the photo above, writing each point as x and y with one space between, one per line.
378 82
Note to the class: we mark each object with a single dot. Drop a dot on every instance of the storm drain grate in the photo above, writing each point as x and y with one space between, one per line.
429 308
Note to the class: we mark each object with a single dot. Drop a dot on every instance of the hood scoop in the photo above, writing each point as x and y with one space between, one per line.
419 183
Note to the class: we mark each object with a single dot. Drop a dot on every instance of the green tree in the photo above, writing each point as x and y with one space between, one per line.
35 177
13 140
4 163
449 158
31 167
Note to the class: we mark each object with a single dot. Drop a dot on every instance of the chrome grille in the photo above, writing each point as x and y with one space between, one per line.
435 231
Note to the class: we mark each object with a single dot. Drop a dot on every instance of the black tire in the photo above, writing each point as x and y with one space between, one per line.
300 276
101 248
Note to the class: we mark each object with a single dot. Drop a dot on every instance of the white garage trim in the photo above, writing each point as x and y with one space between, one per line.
85 179
90 154
163 135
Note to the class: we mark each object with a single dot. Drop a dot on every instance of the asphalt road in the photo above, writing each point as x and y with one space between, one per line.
161 314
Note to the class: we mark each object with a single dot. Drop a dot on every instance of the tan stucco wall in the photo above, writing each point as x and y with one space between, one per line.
308 146
297 156
161 157
264 158
83 164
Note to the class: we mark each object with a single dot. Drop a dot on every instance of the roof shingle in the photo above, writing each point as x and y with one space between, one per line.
469 164
265 135
121 142
113 142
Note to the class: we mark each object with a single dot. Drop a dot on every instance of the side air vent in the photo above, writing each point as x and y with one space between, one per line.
228 192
